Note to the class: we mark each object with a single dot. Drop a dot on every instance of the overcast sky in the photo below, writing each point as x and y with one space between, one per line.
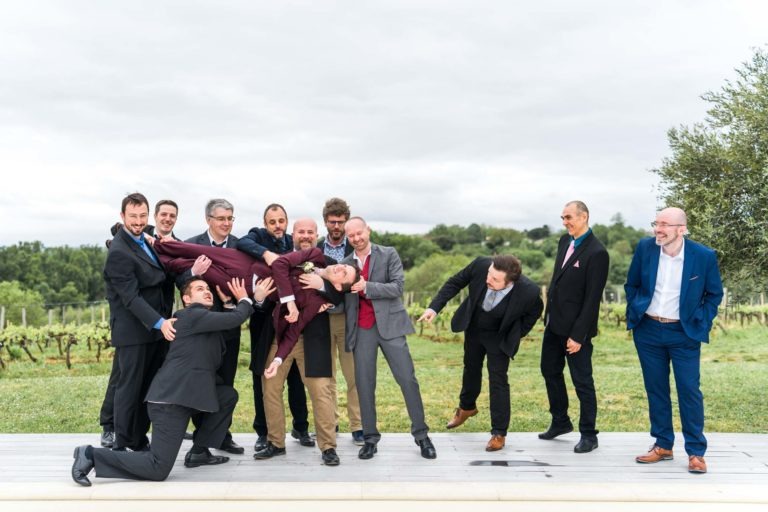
417 113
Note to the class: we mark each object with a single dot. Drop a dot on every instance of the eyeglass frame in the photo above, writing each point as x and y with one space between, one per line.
230 218
663 225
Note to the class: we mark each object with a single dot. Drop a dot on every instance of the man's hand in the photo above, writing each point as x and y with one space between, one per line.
150 240
169 333
223 296
427 316
271 370
269 257
264 288
324 307
312 282
293 312
572 346
201 264
359 286
237 287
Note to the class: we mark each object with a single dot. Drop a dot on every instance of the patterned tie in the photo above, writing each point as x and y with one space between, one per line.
568 253
490 299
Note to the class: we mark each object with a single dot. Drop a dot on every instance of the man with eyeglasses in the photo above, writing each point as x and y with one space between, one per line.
336 246
267 243
573 306
673 290
219 215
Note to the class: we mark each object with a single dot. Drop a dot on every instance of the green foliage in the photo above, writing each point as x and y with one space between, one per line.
718 173
413 249
14 297
428 277
59 274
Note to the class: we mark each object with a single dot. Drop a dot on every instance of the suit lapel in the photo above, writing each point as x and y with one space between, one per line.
653 265
372 260
687 270
574 257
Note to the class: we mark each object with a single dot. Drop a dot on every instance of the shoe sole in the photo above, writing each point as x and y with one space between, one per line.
653 461
550 437
198 464
84 483
332 463
697 471
267 458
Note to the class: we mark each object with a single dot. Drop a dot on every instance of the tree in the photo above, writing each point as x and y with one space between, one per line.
14 297
718 173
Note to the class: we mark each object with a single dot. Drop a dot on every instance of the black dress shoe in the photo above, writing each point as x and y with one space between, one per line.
230 446
330 458
82 466
585 445
193 460
303 437
553 431
261 443
268 452
367 451
427 448
107 439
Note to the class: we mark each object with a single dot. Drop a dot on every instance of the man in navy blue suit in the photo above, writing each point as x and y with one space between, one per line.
673 290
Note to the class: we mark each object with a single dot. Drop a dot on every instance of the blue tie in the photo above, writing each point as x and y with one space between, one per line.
143 245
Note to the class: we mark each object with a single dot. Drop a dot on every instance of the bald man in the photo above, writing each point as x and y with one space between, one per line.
673 290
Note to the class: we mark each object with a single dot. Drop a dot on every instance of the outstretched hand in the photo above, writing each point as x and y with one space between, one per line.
237 287
263 289
427 316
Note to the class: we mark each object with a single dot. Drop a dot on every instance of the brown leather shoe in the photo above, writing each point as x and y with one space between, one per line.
496 443
696 464
460 416
655 454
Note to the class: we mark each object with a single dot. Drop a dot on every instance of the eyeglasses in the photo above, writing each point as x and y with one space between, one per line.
335 222
222 219
664 225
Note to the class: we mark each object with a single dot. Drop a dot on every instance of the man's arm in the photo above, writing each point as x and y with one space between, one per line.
532 312
713 287
597 276
253 243
120 272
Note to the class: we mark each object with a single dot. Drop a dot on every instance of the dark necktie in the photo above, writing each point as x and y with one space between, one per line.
214 244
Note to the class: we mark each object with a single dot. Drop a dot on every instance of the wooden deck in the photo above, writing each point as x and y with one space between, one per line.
528 474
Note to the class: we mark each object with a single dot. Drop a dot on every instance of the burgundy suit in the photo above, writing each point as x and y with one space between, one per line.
226 264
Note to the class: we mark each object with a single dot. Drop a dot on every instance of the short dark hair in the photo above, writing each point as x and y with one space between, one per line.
187 284
346 287
508 264
275 206
337 207
136 198
164 202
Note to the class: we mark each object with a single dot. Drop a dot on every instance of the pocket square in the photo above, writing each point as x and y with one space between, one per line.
576 265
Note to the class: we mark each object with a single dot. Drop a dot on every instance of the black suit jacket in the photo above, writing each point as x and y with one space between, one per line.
138 290
573 298
524 304
188 374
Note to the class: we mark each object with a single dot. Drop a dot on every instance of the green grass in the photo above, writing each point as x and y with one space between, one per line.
46 397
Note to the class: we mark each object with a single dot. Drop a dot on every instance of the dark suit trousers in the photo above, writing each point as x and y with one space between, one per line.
553 358
138 365
657 344
169 422
479 345
260 327
106 414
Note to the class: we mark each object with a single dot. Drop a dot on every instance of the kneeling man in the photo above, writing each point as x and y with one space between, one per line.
185 385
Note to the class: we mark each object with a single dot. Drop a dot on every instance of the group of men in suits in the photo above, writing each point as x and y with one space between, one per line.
673 290
672 296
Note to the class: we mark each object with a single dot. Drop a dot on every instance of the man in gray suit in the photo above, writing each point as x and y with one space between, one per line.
376 317
186 384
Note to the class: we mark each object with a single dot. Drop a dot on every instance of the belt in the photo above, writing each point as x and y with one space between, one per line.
662 319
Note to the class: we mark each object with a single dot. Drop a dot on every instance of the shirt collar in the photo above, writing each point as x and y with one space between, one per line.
577 241
329 244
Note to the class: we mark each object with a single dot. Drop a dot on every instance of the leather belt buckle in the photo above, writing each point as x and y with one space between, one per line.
662 320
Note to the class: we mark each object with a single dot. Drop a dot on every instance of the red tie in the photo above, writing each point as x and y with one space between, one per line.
568 253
